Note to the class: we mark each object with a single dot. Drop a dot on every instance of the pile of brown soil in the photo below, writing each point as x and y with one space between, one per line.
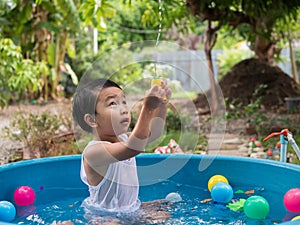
240 84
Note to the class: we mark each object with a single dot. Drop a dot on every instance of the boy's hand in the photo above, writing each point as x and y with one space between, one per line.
158 94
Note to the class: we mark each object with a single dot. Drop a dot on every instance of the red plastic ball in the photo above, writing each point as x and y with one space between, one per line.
291 200
24 196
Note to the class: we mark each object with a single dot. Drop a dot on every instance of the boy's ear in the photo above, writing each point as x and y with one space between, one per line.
90 120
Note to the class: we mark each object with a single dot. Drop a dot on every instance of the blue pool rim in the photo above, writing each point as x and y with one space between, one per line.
64 170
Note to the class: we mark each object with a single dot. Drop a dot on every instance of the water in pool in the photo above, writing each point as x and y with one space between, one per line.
191 210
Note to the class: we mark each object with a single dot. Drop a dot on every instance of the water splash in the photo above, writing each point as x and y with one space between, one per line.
160 8
160 21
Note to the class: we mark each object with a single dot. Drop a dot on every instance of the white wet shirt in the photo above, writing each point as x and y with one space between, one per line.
119 189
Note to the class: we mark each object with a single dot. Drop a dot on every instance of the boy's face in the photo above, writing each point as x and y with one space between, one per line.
112 114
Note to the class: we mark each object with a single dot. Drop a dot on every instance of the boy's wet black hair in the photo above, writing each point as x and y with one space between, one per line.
85 100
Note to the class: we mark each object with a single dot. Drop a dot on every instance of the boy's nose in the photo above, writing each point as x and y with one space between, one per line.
124 109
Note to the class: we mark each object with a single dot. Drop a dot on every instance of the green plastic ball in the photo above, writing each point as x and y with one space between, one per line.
256 207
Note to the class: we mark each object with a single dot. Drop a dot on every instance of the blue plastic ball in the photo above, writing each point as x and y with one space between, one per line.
7 211
222 192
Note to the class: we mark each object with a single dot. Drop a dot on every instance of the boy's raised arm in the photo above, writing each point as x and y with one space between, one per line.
149 126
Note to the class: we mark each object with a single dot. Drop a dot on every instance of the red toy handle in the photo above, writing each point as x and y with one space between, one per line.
283 132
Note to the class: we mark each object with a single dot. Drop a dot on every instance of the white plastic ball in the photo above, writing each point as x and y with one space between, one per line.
173 197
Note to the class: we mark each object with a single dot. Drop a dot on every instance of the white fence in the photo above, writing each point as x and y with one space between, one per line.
190 67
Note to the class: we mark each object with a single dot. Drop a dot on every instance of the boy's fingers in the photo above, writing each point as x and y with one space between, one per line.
162 91
168 93
155 88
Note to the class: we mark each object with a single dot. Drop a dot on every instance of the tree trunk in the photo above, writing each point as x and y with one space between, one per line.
60 51
95 41
209 42
292 58
55 69
42 39
46 90
264 49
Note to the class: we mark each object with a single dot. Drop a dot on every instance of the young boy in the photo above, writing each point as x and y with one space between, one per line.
108 164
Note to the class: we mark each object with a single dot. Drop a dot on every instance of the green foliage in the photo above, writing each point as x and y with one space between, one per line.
256 119
127 74
237 110
25 78
95 13
116 65
11 57
17 75
5 7
228 38
230 57
69 13
174 121
34 25
37 24
129 20
164 15
123 27
260 22
82 63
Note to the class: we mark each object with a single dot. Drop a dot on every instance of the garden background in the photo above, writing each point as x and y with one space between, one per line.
250 52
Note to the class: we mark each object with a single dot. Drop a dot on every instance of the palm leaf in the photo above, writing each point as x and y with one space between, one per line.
70 14
7 6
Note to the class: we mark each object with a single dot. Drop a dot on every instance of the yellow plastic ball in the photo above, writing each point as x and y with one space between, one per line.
156 81
296 218
216 179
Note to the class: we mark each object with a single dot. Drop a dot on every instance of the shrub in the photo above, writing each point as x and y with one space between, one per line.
42 134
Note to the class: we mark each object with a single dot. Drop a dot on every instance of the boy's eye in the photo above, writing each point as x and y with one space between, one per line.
113 103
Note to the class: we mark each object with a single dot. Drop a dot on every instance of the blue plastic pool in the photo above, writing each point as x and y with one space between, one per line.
57 179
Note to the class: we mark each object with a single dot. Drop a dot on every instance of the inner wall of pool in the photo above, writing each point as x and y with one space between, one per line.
59 190
191 210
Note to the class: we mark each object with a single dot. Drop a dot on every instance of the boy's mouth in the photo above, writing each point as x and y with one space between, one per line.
125 120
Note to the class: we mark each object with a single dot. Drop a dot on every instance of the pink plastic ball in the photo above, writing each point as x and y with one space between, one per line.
291 200
24 196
